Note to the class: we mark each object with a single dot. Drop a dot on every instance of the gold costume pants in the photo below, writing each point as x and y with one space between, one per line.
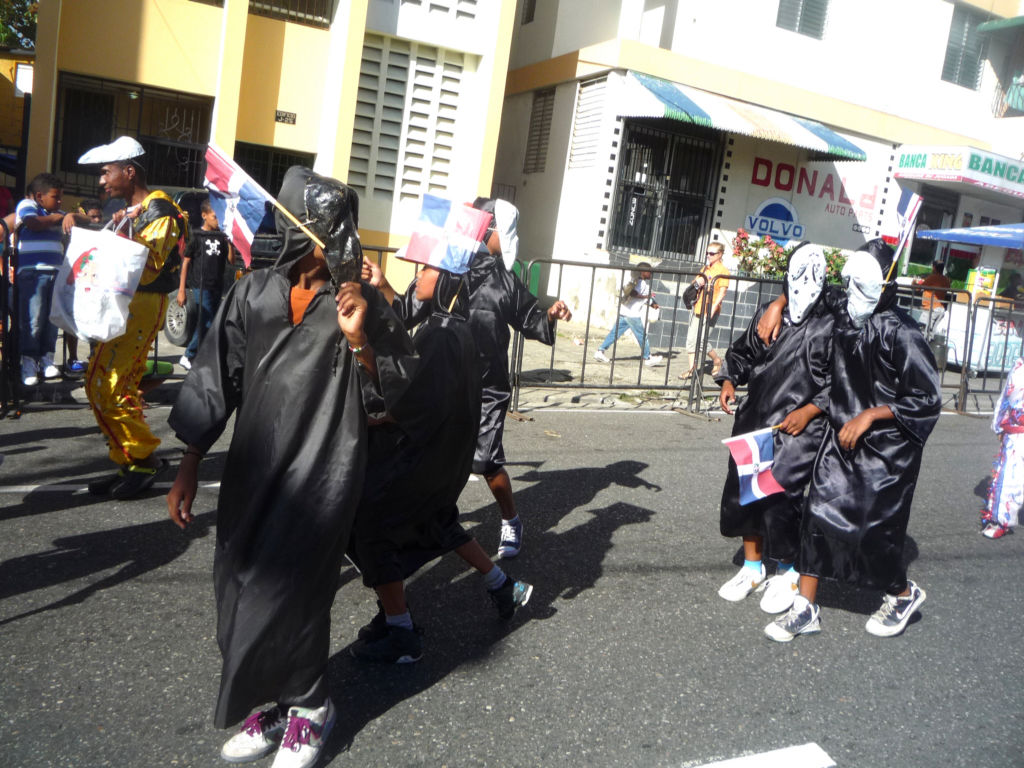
112 380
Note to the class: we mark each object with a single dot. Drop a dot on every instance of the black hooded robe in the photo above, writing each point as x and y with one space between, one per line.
419 463
855 521
292 478
793 371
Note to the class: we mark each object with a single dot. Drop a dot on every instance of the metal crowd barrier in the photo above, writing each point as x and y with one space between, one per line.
974 343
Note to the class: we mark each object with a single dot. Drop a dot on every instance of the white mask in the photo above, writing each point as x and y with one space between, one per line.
864 284
805 280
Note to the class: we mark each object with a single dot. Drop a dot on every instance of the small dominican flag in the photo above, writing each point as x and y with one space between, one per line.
754 454
239 202
906 214
446 235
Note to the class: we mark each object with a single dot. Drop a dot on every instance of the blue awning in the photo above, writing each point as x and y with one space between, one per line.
1005 235
649 96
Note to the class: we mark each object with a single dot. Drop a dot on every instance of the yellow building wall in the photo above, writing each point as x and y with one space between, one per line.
280 72
117 40
11 107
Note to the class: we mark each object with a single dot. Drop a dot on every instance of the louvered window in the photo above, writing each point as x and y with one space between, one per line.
540 129
586 128
459 9
807 17
404 135
965 49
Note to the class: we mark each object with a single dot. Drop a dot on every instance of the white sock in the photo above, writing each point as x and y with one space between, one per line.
403 620
494 578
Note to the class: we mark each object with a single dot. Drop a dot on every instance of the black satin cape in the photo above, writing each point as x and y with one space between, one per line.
793 371
498 300
419 463
855 522
292 477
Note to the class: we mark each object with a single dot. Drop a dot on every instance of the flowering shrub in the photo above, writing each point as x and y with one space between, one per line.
763 257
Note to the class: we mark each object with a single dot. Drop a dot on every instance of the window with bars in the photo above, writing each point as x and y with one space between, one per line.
965 48
805 17
267 165
540 130
404 137
314 13
173 128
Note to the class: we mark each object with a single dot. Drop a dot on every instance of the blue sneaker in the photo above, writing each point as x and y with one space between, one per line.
75 367
511 537
510 596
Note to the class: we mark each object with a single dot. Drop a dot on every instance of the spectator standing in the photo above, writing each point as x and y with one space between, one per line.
116 367
638 296
202 272
933 299
1006 491
706 309
40 253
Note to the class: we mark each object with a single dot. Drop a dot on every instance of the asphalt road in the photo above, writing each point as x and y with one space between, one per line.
625 656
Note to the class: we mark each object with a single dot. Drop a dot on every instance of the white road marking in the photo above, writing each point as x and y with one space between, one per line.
803 756
74 488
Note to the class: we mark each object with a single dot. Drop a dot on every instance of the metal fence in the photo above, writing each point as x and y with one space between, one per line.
975 343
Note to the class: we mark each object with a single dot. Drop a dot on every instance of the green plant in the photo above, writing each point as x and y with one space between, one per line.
835 260
763 257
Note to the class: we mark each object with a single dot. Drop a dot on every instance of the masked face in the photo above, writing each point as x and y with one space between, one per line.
805 280
331 208
864 284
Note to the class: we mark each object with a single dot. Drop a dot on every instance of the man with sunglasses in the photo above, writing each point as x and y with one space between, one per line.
707 308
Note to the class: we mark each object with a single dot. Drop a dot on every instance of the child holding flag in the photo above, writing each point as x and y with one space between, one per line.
883 403
788 386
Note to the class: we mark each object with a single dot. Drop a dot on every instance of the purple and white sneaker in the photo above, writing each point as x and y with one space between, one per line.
261 733
304 736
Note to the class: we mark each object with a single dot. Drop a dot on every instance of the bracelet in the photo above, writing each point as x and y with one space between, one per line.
357 350
187 452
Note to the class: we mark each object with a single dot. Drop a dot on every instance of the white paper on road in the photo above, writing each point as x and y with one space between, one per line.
803 756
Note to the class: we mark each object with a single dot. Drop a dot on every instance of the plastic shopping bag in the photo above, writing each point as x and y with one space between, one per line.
96 282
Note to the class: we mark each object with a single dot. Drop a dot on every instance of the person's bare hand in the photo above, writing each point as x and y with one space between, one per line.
351 313
770 323
727 397
853 429
559 311
372 273
180 298
67 223
183 491
795 422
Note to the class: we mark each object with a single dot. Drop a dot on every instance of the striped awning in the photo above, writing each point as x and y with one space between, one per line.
648 96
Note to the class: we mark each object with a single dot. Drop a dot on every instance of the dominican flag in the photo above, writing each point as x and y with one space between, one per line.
446 234
239 202
754 454
906 212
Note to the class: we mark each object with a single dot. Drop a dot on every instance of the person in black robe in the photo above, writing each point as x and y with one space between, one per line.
884 401
294 363
420 460
498 301
788 385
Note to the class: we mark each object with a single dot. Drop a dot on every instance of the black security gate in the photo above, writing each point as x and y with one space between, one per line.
665 190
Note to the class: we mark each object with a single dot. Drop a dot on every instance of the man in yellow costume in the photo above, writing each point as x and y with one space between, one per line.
116 367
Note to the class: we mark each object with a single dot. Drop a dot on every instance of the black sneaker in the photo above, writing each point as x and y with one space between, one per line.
104 485
398 646
892 616
136 479
377 628
510 596
801 619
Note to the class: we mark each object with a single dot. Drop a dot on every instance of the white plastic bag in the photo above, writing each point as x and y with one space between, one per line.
96 282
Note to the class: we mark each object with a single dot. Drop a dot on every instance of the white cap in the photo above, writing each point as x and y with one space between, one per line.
121 150
506 222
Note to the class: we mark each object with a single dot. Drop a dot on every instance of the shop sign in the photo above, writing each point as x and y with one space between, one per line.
776 217
962 164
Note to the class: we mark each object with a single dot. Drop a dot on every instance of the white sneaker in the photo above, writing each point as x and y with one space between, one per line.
304 736
29 371
185 363
654 360
779 591
600 355
801 619
742 584
892 616
50 371
260 734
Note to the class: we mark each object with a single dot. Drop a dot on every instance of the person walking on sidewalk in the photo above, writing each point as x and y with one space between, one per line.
637 301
